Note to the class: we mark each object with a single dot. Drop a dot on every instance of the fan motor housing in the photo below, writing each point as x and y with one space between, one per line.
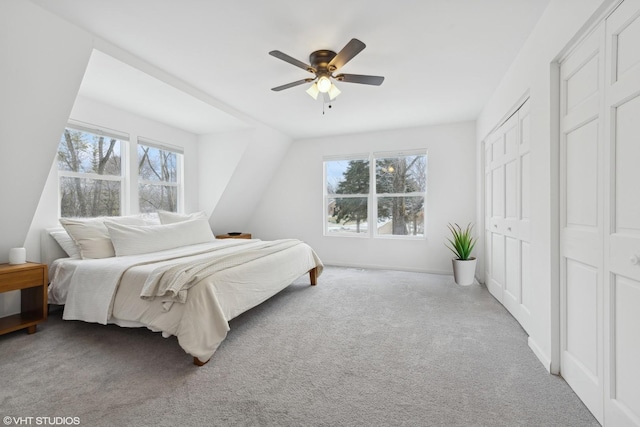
320 59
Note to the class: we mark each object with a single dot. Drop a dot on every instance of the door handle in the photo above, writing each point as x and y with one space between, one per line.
509 228
634 259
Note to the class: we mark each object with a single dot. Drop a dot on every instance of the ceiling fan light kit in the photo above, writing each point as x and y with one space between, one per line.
313 91
323 64
324 84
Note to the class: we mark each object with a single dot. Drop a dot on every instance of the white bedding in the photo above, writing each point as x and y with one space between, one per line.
109 290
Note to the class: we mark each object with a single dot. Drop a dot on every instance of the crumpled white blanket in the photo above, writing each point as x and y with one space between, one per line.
172 282
95 281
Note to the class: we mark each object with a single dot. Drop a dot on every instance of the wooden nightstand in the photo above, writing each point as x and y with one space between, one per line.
32 280
234 236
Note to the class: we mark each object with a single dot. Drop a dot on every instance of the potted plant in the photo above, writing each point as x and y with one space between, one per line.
461 244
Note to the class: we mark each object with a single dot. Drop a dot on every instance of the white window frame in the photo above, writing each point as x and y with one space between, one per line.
373 195
124 158
179 184
376 195
327 196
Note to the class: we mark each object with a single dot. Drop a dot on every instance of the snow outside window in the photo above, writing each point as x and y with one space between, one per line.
386 200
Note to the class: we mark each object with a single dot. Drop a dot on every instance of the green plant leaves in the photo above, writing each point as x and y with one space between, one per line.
462 242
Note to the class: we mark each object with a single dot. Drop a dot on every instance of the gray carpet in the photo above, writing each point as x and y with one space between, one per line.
363 348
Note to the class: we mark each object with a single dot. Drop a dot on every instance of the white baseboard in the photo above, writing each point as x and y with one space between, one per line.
388 267
544 359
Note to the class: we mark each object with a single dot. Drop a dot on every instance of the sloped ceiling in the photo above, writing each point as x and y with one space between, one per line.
441 59
116 83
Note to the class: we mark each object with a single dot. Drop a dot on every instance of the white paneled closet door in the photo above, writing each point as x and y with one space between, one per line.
581 221
507 214
600 218
622 231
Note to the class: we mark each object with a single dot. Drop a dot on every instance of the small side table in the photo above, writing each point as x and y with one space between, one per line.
234 236
31 279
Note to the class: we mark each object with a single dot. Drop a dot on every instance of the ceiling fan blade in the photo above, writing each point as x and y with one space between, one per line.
359 78
347 53
292 61
288 85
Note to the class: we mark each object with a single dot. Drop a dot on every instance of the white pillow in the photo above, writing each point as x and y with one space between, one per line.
151 218
167 217
133 240
92 237
65 241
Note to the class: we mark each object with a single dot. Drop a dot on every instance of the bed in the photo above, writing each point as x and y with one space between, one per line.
174 277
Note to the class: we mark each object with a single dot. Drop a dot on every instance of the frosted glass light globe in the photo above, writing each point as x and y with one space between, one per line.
324 84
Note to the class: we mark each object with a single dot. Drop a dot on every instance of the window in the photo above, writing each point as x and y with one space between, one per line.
158 177
393 192
401 185
347 196
90 173
94 172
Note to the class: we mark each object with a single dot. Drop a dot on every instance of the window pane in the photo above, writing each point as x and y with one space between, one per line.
347 215
401 216
157 197
403 174
85 152
347 176
82 197
157 165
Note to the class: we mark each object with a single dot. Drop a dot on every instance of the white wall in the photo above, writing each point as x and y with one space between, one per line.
532 71
104 116
235 171
220 154
292 205
42 61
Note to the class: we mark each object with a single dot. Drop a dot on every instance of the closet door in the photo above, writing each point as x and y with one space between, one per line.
622 237
524 219
581 221
507 213
488 258
509 226
496 222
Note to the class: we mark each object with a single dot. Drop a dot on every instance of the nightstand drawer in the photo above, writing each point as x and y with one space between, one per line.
20 280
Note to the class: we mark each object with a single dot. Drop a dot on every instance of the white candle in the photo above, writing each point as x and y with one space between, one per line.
17 256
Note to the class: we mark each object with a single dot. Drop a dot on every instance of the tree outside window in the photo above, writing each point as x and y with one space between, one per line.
158 179
347 201
90 174
397 198
400 192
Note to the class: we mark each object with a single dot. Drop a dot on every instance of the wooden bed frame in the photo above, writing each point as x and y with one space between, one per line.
313 278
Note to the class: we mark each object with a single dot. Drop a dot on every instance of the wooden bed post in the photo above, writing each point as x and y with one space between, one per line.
198 362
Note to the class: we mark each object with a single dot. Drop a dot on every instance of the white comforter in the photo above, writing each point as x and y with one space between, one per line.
171 283
109 290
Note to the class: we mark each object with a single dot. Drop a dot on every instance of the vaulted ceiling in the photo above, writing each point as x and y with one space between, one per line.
441 59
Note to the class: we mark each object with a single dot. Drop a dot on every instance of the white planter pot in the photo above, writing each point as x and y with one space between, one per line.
464 271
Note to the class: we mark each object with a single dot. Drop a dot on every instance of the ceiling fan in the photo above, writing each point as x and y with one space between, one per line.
323 64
